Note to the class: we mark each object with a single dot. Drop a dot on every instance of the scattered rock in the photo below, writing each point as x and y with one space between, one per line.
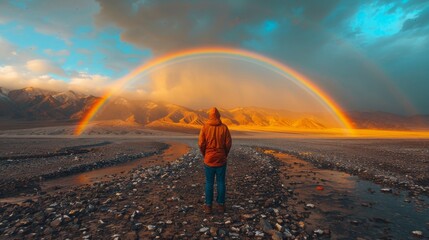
57 222
355 222
310 205
151 227
259 234
265 225
222 233
287 233
247 216
22 223
131 236
73 212
113 206
276 235
279 227
213 231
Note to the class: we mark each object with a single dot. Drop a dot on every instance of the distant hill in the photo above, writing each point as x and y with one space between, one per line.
163 115
35 104
39 104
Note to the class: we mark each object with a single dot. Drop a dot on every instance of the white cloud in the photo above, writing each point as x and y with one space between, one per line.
8 72
8 51
42 66
15 77
13 55
89 84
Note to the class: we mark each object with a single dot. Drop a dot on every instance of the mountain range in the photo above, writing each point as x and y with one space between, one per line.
39 104
34 104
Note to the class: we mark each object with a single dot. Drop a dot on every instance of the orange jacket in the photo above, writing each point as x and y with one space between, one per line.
214 140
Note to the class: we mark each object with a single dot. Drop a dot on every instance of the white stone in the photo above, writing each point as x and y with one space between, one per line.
151 227
310 205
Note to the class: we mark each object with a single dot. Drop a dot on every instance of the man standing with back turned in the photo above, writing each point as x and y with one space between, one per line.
215 142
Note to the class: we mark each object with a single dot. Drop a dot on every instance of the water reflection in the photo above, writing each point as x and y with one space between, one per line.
351 207
174 151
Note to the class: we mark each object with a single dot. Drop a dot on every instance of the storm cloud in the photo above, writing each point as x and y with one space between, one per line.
363 53
367 55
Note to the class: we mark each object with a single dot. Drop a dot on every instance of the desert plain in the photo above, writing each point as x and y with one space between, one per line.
135 183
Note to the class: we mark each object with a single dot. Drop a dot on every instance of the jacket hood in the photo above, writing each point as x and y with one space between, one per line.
214 117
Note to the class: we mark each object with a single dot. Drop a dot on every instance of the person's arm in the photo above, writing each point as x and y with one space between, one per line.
228 142
202 141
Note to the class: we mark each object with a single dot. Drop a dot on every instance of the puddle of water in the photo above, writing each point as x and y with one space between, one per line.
17 200
174 151
351 207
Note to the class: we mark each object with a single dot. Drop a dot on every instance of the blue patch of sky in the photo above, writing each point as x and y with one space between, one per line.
89 50
262 35
84 57
374 20
270 26
28 39
92 52
59 77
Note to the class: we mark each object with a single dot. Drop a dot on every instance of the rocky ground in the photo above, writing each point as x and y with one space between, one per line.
24 162
165 203
398 163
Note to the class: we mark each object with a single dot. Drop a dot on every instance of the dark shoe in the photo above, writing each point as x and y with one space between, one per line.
220 208
207 209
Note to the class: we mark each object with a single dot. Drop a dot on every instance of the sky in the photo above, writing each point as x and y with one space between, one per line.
367 55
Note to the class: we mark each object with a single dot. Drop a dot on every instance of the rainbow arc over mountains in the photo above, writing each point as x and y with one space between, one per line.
277 66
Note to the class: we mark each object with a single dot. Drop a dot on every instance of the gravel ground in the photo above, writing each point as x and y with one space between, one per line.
24 162
165 202
390 162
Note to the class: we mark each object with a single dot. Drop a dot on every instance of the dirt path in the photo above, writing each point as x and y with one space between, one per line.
164 202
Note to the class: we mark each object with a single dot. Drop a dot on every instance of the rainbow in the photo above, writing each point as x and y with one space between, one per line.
214 50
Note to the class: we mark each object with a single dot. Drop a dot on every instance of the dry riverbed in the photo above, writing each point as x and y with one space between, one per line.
392 163
164 202
24 163
271 194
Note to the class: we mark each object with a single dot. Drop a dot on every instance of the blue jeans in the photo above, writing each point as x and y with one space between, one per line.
219 172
